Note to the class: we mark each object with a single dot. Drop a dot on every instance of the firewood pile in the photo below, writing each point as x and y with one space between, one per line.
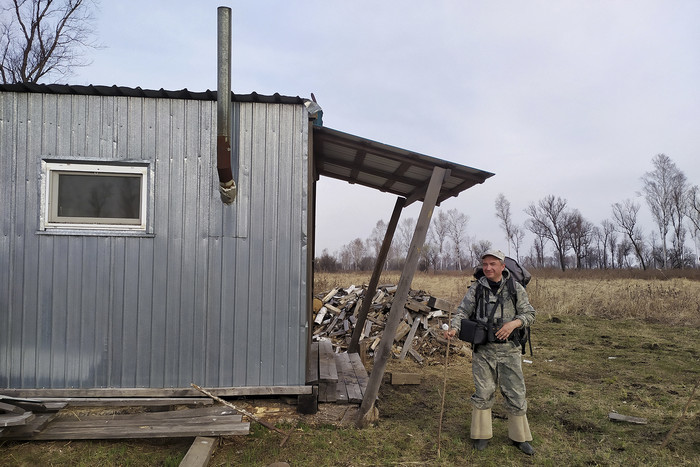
419 334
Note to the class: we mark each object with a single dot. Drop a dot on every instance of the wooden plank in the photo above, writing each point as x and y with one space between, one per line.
346 374
409 339
15 419
417 241
148 417
328 391
200 452
161 392
40 421
360 371
398 379
616 417
124 401
416 356
312 367
11 408
57 431
418 307
326 362
330 295
402 330
341 392
440 304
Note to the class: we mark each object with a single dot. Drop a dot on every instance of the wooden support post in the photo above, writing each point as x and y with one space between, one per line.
353 347
397 307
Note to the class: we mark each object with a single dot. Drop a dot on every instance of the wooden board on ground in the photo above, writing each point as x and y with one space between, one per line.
398 379
210 421
200 452
616 417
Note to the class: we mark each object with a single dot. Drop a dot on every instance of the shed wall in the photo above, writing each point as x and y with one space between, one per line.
211 294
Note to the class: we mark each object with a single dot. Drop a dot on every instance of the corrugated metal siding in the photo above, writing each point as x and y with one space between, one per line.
215 294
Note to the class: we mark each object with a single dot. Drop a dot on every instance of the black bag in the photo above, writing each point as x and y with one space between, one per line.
472 331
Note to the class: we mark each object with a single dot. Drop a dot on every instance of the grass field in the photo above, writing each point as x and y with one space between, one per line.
602 343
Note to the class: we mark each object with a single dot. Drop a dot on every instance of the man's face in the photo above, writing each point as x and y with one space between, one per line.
493 268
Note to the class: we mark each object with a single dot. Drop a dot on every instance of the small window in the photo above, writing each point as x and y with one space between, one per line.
91 196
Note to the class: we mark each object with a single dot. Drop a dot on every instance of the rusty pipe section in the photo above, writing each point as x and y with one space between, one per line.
227 186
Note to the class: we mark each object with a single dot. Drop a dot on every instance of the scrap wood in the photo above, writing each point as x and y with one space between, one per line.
337 321
245 412
616 417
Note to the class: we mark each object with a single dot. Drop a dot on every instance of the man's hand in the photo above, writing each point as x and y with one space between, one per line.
508 328
450 333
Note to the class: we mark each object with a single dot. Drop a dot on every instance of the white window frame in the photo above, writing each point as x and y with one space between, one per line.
50 176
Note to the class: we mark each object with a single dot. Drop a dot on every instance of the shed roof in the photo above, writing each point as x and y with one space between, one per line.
337 155
387 168
92 90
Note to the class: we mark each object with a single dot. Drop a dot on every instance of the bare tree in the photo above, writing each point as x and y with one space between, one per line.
679 209
503 214
518 237
440 225
658 189
693 207
404 235
478 249
456 231
353 253
625 216
581 233
376 238
549 219
693 213
43 37
609 242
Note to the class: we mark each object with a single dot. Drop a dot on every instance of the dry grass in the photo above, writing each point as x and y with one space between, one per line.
653 297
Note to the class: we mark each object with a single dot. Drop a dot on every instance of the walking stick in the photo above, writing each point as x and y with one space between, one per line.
444 387
246 413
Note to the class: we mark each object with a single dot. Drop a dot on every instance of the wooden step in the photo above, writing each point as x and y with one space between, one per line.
341 377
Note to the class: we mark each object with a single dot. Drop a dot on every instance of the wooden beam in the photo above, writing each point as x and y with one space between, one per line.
354 347
159 392
397 307
200 452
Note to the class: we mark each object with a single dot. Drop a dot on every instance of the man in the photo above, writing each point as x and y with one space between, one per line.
498 361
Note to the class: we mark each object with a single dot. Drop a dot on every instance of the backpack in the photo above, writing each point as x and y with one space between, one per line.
523 276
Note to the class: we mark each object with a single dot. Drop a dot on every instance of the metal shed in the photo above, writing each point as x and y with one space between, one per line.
187 289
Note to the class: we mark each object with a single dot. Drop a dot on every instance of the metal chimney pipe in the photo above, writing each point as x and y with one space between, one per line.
227 186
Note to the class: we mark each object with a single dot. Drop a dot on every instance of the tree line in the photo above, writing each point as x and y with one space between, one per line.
563 238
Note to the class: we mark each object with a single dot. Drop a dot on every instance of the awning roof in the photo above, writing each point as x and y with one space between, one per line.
387 168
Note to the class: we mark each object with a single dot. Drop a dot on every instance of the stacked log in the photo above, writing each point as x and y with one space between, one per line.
419 334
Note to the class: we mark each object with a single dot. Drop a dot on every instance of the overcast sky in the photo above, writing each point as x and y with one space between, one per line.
568 98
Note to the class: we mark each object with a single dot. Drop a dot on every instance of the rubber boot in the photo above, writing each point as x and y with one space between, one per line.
519 433
481 430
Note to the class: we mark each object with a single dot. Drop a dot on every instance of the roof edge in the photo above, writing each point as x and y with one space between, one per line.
123 91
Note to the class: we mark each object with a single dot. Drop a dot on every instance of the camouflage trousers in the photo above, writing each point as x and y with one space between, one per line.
499 364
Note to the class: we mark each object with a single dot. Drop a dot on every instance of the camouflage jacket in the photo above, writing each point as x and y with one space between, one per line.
522 309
